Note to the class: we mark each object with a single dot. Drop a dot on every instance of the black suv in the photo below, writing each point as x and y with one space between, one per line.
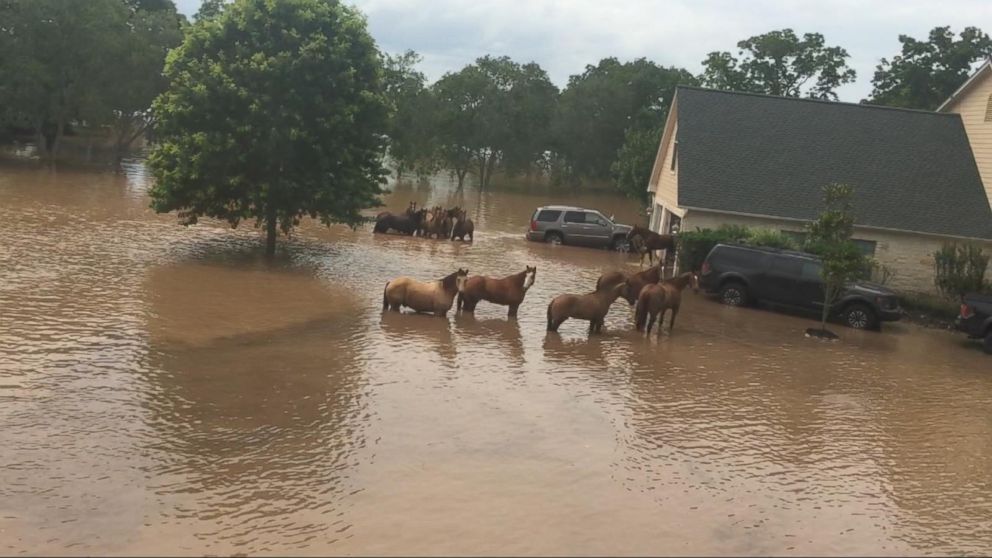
741 274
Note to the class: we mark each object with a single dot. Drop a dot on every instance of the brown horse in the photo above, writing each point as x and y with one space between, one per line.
651 241
592 307
436 223
433 296
407 223
508 291
635 281
658 297
462 226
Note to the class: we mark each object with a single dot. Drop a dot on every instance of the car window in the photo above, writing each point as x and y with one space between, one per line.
786 265
548 216
595 219
575 217
812 270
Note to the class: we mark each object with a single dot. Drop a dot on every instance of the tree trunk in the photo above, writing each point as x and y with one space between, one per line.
59 131
270 231
827 301
490 167
482 173
41 142
461 177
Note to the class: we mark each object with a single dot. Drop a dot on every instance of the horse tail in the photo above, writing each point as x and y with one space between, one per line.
551 323
641 314
385 299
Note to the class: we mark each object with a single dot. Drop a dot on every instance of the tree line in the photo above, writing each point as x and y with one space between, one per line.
277 110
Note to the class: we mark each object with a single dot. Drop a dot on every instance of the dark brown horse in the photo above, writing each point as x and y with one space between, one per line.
635 281
432 296
651 241
658 297
592 307
508 291
462 226
407 223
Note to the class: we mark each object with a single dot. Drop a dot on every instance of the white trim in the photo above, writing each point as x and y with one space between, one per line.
868 227
659 159
954 96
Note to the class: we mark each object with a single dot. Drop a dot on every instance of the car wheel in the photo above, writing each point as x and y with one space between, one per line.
553 238
620 244
733 294
859 316
988 342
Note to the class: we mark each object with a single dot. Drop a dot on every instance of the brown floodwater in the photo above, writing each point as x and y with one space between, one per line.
167 390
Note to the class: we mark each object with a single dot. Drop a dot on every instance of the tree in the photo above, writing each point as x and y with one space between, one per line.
780 63
960 269
493 111
926 73
598 107
274 112
55 62
411 127
210 9
635 161
829 236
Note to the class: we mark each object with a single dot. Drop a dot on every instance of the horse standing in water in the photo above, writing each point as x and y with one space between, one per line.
433 296
655 299
463 226
592 307
651 241
508 291
635 281
408 223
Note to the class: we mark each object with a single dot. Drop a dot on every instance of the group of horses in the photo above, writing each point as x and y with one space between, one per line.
647 291
436 222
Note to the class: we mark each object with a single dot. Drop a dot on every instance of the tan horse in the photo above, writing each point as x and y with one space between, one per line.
636 281
508 291
592 307
658 297
434 296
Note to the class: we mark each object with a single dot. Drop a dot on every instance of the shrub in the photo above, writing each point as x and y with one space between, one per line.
960 269
693 246
772 239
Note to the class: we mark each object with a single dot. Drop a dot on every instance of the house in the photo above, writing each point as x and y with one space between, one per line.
973 101
761 161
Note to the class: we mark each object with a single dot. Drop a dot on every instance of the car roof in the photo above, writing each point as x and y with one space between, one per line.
565 208
769 250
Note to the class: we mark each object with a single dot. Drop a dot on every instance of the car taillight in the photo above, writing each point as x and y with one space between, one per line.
706 268
966 311
533 224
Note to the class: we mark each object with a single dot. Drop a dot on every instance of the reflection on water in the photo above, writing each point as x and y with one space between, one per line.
169 390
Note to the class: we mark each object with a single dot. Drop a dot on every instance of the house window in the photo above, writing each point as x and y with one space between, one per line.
675 153
867 247
988 110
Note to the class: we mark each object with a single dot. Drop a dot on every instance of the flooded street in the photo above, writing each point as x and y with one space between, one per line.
166 390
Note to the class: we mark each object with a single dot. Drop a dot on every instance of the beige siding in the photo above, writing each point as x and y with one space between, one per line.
973 107
666 193
909 255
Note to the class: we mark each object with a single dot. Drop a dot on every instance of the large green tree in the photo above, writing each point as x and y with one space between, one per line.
635 161
57 63
926 73
599 106
495 111
412 142
274 112
780 63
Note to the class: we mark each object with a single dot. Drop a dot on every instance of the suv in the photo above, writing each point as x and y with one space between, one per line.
976 318
741 274
559 224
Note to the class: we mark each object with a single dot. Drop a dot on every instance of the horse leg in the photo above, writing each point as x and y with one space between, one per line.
513 311
671 324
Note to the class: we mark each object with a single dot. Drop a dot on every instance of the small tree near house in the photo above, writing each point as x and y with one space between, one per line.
830 238
960 269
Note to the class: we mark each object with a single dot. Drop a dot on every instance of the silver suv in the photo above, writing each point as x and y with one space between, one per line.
560 224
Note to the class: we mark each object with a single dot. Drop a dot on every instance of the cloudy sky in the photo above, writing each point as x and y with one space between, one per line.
565 35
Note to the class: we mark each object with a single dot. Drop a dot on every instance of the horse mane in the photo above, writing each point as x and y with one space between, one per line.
680 281
518 278
448 282
651 274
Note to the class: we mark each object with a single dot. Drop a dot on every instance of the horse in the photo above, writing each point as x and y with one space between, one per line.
592 307
436 223
508 291
651 241
434 296
635 281
407 223
463 226
658 297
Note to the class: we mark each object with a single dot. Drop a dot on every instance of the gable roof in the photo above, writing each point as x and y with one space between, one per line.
985 67
762 155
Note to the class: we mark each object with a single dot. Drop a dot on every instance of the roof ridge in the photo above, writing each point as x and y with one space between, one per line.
808 100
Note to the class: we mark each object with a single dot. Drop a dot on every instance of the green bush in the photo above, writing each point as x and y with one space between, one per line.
960 269
772 239
693 246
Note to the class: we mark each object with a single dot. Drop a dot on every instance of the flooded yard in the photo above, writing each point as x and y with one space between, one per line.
168 390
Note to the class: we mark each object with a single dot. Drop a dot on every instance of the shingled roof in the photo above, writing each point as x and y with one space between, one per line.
764 155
